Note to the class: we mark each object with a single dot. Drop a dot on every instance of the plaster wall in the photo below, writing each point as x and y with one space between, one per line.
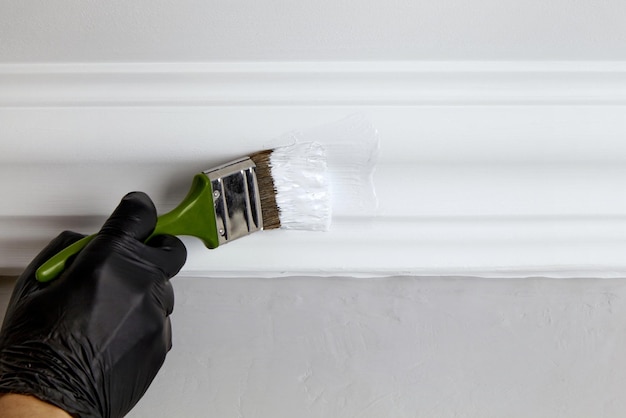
191 30
392 347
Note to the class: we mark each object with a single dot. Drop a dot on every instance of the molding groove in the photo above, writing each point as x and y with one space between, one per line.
313 83
486 169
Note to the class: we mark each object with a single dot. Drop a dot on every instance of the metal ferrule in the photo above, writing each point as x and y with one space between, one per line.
236 198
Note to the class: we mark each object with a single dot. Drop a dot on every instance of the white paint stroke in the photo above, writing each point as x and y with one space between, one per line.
351 146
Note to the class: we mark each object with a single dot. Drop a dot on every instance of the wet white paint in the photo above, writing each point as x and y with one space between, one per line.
323 170
351 147
302 186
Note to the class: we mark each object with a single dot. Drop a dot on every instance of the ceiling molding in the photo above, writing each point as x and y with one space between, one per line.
312 83
485 169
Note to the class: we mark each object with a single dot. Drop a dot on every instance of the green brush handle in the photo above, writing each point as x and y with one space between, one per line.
193 216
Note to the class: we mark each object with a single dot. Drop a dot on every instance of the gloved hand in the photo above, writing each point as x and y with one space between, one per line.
92 341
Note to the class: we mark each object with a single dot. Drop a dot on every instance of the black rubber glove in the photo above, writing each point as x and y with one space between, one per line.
92 341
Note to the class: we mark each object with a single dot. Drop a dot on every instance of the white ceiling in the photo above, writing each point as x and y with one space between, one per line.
193 30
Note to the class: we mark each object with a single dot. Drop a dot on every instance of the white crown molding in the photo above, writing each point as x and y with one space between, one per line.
313 83
486 169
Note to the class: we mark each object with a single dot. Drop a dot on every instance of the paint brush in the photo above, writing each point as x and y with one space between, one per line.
286 187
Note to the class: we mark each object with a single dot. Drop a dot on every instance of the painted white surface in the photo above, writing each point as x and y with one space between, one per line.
191 30
560 221
486 169
308 205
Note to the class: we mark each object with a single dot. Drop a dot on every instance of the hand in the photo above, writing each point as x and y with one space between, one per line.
92 341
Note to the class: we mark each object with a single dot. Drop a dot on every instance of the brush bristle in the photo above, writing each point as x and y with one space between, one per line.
267 189
298 186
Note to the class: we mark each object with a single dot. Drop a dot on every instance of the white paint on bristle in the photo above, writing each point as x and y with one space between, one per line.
346 152
302 186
